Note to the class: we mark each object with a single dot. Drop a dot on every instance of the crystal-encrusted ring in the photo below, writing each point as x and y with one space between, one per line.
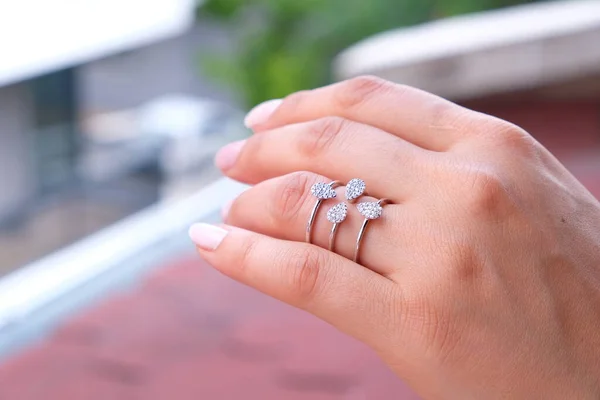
336 215
370 210
354 189
322 191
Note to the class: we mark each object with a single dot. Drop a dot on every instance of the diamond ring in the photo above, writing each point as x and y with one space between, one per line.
322 191
370 210
336 215
354 189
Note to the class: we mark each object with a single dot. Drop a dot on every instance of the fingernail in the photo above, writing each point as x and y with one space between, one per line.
225 210
228 155
261 113
206 236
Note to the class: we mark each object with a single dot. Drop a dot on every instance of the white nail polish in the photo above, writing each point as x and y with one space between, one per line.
261 113
206 236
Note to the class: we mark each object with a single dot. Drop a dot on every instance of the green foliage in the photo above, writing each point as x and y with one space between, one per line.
282 46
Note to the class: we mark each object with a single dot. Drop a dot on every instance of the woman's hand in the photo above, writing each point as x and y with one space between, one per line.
482 280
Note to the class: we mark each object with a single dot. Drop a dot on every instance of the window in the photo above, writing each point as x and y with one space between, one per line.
54 109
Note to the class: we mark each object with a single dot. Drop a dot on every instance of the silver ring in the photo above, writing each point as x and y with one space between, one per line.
337 214
370 210
322 191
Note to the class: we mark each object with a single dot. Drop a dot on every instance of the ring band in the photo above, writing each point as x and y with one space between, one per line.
322 191
370 210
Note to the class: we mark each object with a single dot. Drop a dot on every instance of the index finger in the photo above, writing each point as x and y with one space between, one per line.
422 118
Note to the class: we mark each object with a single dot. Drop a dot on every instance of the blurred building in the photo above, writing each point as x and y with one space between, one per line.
44 46
80 85
535 65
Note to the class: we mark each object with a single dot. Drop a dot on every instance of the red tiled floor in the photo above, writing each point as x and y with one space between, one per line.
189 333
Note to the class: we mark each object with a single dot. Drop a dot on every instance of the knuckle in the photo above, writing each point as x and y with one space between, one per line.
290 196
507 136
446 115
320 135
515 139
306 275
486 195
357 91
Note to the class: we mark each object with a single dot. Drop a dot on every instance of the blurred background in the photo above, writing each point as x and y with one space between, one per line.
110 114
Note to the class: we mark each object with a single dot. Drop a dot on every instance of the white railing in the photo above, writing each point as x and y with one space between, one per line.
27 291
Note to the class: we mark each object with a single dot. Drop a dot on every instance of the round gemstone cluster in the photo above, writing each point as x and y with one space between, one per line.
337 213
322 191
370 210
355 188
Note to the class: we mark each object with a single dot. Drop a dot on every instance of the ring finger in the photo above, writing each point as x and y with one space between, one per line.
280 207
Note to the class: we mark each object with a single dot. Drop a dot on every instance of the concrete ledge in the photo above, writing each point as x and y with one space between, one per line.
486 53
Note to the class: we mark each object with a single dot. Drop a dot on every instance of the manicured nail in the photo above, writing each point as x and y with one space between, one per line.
261 113
225 210
228 155
206 236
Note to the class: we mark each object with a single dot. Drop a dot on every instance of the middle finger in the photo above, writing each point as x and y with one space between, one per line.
334 147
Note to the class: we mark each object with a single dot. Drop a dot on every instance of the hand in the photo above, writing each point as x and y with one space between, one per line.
482 280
